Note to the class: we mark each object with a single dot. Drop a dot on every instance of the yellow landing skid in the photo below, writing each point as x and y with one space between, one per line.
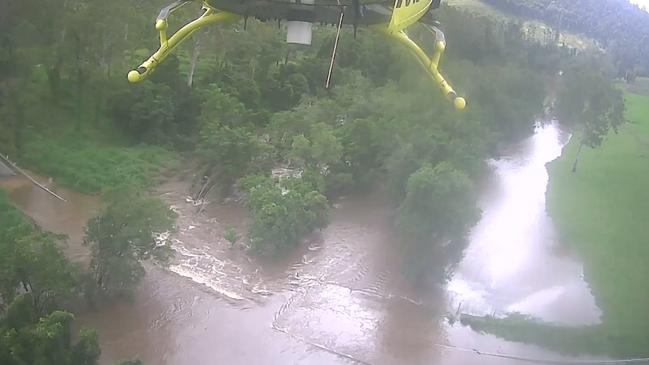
430 64
213 16
168 45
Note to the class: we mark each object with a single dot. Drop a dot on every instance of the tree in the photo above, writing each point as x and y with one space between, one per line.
45 272
121 237
86 351
282 212
228 151
27 339
439 204
319 149
31 261
228 145
588 102
437 211
145 112
35 277
219 105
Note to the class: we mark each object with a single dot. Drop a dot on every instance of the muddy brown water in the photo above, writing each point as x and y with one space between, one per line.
340 297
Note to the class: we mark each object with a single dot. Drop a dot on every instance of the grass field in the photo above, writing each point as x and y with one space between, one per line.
602 212
639 86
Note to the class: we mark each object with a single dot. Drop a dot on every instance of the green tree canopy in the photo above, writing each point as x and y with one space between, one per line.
121 236
27 339
439 204
32 261
283 212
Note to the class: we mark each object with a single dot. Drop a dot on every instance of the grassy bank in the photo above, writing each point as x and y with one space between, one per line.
81 150
520 328
604 339
89 167
601 211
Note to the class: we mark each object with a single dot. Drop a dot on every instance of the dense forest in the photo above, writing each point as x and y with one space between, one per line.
235 104
621 27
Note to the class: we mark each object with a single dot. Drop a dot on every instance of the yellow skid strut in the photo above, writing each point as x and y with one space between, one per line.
430 64
167 45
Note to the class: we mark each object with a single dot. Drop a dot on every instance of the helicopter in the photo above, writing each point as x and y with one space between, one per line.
383 16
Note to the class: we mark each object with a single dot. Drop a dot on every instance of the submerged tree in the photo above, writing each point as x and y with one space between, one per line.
121 237
231 235
283 212
438 209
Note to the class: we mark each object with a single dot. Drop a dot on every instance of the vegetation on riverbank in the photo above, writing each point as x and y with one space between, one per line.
90 167
37 282
35 277
600 211
520 328
120 237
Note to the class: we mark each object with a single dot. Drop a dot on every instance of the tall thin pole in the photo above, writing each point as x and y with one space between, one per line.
333 55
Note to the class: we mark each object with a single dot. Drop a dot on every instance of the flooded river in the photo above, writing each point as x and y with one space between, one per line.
341 297
514 262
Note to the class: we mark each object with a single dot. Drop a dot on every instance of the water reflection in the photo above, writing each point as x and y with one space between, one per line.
512 263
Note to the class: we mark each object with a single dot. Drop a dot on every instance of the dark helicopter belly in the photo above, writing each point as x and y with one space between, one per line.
327 11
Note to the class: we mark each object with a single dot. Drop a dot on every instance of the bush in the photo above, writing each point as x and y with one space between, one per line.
283 212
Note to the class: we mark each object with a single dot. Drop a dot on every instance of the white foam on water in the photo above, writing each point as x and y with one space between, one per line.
203 268
203 279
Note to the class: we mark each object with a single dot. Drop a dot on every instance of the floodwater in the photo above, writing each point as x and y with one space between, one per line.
341 297
515 262
52 214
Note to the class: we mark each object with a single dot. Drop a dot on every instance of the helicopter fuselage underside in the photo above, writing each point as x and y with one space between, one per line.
355 13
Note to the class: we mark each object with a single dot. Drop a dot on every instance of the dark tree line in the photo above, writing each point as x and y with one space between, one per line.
621 27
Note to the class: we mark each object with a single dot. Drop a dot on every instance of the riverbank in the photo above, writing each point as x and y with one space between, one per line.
601 212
